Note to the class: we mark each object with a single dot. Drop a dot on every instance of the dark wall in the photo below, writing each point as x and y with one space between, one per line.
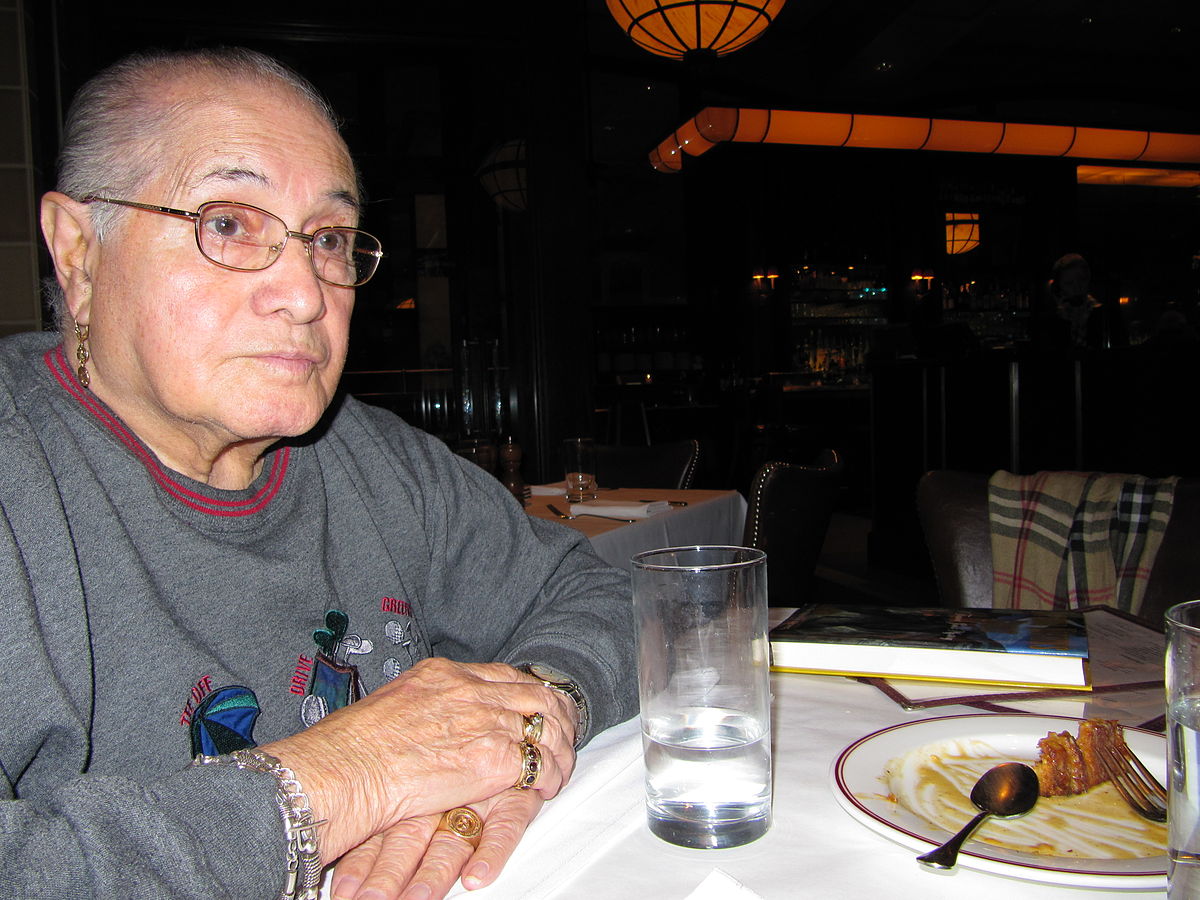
607 244
425 92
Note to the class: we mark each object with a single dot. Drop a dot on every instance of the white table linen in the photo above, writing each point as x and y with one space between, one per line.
592 840
711 517
629 509
720 885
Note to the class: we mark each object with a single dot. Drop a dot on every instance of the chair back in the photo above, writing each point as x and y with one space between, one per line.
953 508
670 465
788 516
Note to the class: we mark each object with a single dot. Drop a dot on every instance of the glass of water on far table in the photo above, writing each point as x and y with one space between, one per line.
579 467
704 683
1183 751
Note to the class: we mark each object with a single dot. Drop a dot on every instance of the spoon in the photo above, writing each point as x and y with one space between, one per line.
1005 791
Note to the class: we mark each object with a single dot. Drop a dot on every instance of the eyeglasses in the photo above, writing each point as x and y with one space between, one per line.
247 239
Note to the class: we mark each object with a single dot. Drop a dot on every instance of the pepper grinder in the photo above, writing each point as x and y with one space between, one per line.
510 469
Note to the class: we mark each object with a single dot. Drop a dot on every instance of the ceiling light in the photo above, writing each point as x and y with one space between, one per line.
676 28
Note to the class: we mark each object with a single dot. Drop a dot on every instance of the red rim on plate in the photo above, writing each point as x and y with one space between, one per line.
1147 873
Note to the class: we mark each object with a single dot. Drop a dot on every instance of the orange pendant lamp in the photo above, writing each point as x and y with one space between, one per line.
675 28
962 232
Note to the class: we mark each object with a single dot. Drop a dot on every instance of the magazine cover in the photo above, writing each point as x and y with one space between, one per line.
1000 630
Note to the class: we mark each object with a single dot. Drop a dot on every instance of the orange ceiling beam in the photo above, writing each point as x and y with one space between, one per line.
1142 177
718 124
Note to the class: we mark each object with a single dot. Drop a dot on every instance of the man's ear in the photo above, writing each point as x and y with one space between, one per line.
73 246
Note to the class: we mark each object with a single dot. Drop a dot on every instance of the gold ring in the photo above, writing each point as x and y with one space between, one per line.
531 766
463 822
533 727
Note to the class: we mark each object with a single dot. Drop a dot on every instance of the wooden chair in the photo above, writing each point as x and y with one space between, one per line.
953 507
669 465
789 513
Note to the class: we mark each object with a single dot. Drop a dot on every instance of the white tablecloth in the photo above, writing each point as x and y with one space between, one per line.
592 840
711 517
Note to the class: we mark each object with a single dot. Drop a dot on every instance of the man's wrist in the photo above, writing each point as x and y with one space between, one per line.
303 866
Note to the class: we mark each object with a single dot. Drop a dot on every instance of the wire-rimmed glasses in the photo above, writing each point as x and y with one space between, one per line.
247 239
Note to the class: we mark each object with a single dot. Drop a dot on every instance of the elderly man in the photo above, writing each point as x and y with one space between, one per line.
206 558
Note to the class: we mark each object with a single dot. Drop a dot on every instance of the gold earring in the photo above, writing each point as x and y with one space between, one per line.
82 354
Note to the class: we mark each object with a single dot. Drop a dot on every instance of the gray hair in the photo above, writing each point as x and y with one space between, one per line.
112 138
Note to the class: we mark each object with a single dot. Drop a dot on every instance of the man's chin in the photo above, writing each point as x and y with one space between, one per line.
281 419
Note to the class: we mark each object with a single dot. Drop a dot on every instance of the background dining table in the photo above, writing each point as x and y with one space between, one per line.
710 517
592 840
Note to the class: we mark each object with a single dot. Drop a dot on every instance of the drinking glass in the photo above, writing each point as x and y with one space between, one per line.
1183 750
579 466
704 681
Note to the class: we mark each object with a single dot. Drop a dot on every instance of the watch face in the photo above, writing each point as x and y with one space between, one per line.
547 674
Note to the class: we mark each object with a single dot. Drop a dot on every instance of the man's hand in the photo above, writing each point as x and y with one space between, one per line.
423 863
441 735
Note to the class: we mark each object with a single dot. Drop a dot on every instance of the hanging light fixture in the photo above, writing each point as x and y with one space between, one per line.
962 232
503 175
675 28
716 124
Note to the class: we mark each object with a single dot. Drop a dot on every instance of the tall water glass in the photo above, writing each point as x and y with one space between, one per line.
579 469
704 682
1183 750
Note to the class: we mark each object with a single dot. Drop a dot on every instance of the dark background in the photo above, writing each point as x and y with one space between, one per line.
611 257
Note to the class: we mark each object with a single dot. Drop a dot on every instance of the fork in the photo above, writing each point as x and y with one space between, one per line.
1134 782
562 515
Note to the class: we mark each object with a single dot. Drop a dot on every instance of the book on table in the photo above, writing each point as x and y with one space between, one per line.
1016 647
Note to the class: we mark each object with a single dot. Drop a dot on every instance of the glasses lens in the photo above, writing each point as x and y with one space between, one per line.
345 256
239 237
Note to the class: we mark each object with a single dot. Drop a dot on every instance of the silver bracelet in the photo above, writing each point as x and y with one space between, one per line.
303 856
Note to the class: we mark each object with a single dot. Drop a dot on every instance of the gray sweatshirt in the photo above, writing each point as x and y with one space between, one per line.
147 617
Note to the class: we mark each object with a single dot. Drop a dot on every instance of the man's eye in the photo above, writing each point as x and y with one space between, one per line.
331 242
225 226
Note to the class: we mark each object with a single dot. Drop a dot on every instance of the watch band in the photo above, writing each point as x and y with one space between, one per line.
303 880
552 678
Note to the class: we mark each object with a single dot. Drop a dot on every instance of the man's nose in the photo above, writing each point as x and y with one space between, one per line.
290 285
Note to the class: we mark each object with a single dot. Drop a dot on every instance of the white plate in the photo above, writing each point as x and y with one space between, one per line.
860 791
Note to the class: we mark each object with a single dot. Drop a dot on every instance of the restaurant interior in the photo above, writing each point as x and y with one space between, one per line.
567 254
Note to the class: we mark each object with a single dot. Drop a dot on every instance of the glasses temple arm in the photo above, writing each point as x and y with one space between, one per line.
182 213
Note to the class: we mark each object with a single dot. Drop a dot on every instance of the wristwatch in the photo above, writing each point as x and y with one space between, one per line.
552 678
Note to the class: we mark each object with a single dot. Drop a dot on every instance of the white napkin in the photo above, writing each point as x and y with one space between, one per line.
602 803
548 490
720 885
626 510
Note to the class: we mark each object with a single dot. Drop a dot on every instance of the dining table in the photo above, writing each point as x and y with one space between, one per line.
592 840
693 517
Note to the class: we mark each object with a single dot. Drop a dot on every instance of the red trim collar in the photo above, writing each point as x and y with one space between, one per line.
56 362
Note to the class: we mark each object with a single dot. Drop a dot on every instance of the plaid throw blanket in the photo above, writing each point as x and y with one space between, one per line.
1062 540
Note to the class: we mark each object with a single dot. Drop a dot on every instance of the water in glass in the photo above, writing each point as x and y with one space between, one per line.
708 777
1183 788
